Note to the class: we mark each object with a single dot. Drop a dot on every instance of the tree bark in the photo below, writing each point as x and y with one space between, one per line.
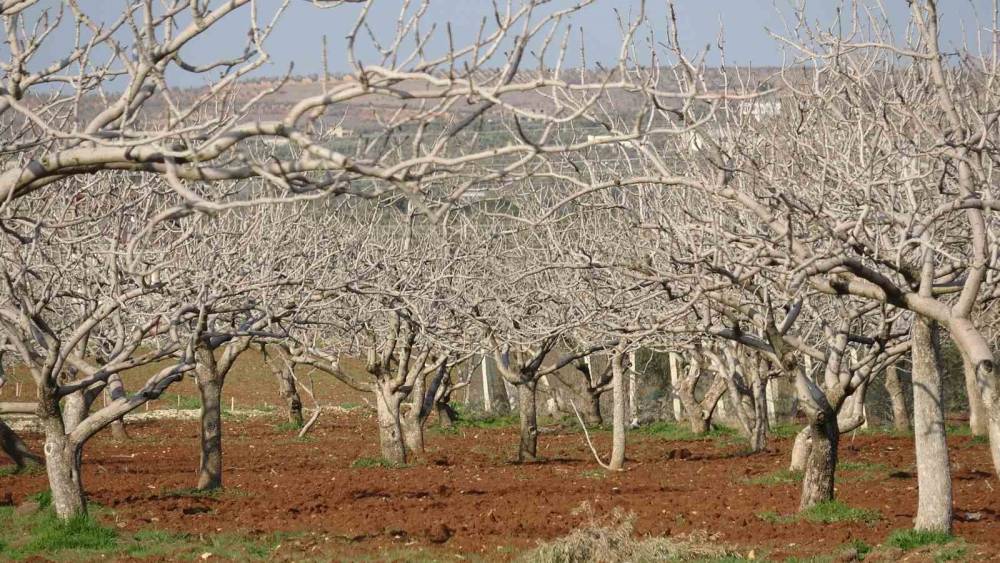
210 466
390 431
592 408
62 463
289 393
821 461
527 449
618 414
800 450
893 384
978 417
15 448
116 390
758 436
75 409
411 421
933 471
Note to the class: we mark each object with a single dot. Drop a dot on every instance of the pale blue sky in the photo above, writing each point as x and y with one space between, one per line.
745 24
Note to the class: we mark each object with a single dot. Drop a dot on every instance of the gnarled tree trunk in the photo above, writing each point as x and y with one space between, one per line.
288 392
821 461
933 470
210 389
62 462
390 430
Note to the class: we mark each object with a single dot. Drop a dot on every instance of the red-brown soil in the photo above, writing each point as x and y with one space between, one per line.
466 496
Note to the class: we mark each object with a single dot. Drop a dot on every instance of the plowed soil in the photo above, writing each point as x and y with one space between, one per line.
466 496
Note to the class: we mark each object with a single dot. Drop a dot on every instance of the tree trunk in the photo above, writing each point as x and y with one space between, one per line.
527 449
933 471
62 463
758 436
210 467
893 384
592 411
390 431
445 414
800 450
821 462
618 414
978 417
692 410
413 431
289 393
14 447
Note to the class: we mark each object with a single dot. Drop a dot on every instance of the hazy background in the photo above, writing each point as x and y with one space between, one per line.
744 24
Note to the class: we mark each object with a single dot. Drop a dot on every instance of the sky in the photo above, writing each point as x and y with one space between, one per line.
743 24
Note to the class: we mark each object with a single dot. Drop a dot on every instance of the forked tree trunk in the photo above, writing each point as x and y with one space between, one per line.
618 414
894 385
210 466
527 449
978 417
821 461
289 393
390 431
15 448
933 471
62 463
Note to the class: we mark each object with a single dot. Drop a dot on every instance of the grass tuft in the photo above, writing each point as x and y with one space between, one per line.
829 512
288 426
912 539
367 462
79 533
833 511
780 477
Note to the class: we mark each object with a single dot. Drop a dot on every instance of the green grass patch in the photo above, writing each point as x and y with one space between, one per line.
829 512
912 539
673 431
861 547
181 402
785 430
288 426
42 534
780 477
833 511
958 430
367 462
